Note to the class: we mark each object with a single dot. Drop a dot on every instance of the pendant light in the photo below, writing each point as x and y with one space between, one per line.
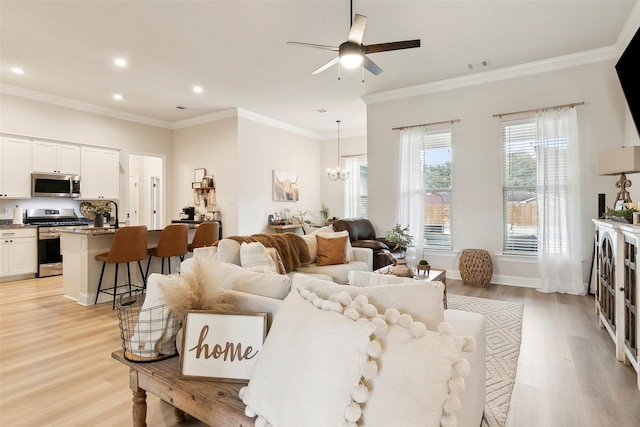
338 174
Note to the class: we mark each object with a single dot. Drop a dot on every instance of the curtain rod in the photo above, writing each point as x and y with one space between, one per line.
535 110
426 124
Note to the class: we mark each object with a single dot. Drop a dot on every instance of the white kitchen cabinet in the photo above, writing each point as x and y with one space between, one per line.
15 168
52 157
18 251
100 173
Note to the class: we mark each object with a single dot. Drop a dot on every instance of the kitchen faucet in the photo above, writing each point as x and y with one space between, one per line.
116 205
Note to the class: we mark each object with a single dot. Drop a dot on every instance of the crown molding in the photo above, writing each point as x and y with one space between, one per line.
205 118
249 115
78 105
536 67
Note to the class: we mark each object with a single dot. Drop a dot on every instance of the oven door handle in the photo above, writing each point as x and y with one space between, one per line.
48 236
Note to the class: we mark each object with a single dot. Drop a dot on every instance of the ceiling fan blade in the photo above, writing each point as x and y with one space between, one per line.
316 46
371 66
357 29
385 47
331 63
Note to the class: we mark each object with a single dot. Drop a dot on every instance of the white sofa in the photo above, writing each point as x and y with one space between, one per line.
260 292
229 251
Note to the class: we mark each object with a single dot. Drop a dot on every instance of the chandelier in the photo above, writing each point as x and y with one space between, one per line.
338 174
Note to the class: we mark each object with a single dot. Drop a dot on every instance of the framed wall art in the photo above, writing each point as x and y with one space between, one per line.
221 346
285 186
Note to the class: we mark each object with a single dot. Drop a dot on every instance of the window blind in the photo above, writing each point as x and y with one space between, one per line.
436 161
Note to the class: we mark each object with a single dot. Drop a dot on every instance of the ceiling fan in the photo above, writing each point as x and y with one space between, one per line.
353 53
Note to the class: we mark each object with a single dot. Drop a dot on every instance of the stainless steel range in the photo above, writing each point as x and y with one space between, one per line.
49 222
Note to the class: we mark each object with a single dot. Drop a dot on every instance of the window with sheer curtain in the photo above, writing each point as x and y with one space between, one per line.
355 188
542 196
424 203
519 196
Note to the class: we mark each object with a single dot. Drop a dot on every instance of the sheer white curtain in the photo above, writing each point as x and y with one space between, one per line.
352 187
410 210
558 199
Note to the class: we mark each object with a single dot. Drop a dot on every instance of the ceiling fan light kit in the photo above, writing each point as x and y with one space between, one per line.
352 53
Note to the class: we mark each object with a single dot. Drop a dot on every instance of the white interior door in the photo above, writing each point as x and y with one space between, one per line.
134 200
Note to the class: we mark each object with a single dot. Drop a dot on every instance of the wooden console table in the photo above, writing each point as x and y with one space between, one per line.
215 403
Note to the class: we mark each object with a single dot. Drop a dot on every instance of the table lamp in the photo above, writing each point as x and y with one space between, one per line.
620 161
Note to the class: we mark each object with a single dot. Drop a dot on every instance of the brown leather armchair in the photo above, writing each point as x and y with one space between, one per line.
363 235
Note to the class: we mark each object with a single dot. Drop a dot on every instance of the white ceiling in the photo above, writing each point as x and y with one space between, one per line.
237 51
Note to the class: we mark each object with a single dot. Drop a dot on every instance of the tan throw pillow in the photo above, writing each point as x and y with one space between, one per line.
331 250
275 255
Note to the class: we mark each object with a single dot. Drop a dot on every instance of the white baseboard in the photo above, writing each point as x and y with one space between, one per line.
498 279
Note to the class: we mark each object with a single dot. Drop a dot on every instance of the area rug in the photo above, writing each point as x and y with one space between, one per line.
504 333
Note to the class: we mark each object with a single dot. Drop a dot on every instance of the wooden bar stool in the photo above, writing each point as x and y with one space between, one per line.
206 235
173 242
129 244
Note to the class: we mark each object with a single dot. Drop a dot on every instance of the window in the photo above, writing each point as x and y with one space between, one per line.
519 174
356 188
436 161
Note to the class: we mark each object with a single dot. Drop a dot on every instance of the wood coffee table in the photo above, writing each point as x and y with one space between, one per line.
435 275
215 403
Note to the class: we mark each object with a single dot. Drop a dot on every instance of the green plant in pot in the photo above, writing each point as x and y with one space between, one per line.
400 237
423 267
621 215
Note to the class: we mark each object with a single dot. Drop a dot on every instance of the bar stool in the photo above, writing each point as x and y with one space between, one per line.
173 242
129 244
206 235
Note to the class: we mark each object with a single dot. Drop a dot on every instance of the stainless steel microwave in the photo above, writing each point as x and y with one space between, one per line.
55 185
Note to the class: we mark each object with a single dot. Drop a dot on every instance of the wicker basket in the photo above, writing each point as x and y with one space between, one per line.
148 334
475 267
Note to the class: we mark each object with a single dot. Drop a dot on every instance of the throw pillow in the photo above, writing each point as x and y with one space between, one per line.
422 302
255 255
229 251
312 244
420 376
231 276
331 251
336 234
311 366
275 255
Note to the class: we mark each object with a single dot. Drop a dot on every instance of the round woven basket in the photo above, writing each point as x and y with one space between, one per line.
475 267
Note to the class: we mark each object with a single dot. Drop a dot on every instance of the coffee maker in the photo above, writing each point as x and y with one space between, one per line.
188 213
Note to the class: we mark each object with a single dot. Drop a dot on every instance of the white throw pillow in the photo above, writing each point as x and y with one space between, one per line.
229 251
254 256
310 366
231 276
347 245
420 377
423 301
369 279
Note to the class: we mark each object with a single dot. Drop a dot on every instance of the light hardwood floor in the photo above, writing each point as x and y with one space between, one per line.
56 368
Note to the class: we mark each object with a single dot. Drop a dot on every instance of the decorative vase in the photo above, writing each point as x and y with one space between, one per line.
98 221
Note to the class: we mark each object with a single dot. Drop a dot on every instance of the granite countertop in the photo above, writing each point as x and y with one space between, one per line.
91 231
8 224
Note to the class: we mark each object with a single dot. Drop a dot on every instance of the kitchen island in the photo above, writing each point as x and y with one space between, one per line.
81 271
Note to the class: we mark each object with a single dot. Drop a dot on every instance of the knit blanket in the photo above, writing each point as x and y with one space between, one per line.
292 248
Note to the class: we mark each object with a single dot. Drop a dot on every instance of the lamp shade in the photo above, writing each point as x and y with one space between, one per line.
620 160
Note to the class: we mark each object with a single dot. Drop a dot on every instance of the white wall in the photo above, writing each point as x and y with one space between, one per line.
241 154
477 182
40 120
261 149
333 191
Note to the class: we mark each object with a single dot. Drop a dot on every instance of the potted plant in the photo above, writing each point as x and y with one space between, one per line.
99 209
400 237
423 267
324 214
622 215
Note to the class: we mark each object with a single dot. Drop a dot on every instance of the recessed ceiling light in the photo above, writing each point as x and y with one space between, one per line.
117 96
197 89
120 62
17 70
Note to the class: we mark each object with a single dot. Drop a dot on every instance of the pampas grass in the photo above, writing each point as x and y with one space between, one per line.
195 292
